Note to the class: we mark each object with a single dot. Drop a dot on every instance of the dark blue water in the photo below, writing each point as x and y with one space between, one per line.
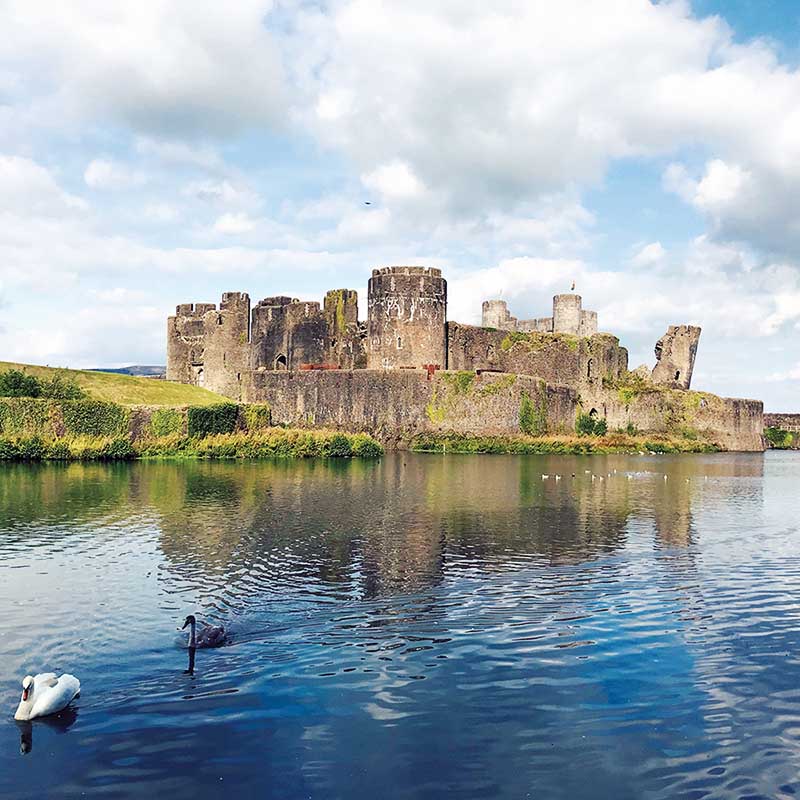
418 627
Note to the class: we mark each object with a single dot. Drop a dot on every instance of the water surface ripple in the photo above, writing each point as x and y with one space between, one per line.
418 627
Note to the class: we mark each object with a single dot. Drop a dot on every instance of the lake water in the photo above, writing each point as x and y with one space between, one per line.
421 626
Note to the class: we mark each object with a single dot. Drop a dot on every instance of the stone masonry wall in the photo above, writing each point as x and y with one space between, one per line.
732 423
675 354
396 405
557 358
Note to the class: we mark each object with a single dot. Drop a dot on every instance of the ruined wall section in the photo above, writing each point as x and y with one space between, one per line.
186 343
538 325
227 344
675 355
288 333
347 336
495 314
395 405
557 358
732 423
406 321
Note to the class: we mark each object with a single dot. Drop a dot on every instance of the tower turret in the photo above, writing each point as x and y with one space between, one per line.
407 309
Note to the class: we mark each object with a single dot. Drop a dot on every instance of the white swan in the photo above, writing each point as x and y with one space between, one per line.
46 694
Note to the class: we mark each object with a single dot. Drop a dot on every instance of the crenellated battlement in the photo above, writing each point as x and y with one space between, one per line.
430 271
194 309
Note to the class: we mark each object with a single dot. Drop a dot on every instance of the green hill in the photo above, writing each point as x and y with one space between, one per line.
125 389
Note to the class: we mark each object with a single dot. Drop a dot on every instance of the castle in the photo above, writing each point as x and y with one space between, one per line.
320 364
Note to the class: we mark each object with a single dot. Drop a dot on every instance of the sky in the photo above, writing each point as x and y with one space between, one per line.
155 153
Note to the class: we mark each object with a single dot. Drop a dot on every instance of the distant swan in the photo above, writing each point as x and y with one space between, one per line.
209 636
46 694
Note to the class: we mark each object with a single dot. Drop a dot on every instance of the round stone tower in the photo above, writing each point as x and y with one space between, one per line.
567 313
407 313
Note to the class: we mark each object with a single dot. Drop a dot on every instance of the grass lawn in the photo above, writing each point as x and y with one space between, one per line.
126 389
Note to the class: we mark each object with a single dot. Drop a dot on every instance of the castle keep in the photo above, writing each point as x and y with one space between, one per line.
392 374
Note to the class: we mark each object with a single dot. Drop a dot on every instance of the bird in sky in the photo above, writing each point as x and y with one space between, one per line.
573 286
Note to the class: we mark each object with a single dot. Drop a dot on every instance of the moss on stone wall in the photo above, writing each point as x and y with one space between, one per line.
533 414
502 384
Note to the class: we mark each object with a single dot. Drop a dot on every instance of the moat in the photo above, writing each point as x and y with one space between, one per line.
415 626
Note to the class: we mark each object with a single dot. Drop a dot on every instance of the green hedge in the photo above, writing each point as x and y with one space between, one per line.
165 421
276 442
34 448
94 418
209 420
257 417
26 416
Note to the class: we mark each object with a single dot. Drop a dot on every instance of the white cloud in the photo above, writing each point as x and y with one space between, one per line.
28 188
183 67
792 374
234 224
487 106
105 173
394 181
650 255
162 212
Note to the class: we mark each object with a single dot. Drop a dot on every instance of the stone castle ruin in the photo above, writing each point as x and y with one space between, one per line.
320 364
568 317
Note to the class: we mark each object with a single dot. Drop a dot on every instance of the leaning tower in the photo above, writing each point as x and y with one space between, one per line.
407 314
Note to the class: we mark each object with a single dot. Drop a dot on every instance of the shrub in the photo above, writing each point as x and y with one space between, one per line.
61 387
207 420
257 417
584 425
16 383
57 451
32 448
778 438
338 446
118 449
587 425
9 449
366 447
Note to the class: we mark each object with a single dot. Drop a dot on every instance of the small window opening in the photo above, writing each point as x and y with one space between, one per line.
593 413
219 319
280 362
677 374
399 343
589 369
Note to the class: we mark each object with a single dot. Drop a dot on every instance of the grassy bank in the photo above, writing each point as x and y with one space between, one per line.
568 444
126 390
267 443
